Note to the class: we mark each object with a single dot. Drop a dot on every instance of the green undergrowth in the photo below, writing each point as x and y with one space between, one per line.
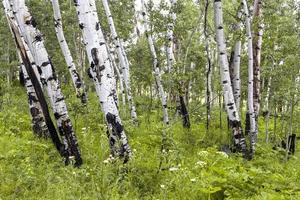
192 167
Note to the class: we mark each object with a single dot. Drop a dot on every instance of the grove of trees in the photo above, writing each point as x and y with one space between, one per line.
148 99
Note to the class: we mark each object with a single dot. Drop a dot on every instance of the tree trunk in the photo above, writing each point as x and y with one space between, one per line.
236 85
122 59
257 19
28 61
77 82
252 116
266 111
231 109
156 70
39 126
119 75
208 70
35 42
170 36
101 73
235 61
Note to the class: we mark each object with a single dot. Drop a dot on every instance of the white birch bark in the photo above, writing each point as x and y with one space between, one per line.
257 19
236 74
77 82
253 128
29 64
39 126
208 68
38 120
190 84
236 85
116 68
230 105
156 70
122 91
35 42
122 59
170 36
112 65
266 109
101 73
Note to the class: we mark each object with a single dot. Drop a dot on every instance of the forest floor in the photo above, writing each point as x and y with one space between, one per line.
193 168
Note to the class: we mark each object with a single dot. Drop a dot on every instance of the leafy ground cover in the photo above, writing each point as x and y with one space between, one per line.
193 168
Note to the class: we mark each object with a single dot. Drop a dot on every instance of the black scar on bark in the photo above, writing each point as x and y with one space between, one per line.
21 77
32 98
34 111
117 129
31 21
78 80
53 69
89 71
247 124
111 119
39 92
75 2
81 26
237 126
184 113
95 58
291 142
38 38
68 129
97 26
56 23
39 70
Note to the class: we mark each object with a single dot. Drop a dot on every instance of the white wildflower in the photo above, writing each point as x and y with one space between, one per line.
203 153
110 159
105 161
222 154
201 163
163 186
193 180
172 169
